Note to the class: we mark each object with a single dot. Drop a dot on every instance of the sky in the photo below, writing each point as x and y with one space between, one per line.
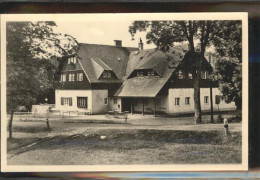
102 32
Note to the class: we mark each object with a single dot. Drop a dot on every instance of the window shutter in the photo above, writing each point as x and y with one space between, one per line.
86 102
70 101
62 101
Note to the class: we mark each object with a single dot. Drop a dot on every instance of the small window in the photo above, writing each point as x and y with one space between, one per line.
206 99
140 73
82 102
145 102
151 72
187 101
177 101
115 100
63 77
72 77
72 60
105 101
204 74
80 76
190 76
66 101
217 99
180 74
108 74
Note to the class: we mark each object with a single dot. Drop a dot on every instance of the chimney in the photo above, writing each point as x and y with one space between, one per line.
141 45
118 43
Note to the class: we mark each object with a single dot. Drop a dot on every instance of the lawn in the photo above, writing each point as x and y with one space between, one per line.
128 146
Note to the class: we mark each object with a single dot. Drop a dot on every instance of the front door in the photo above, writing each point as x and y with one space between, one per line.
126 104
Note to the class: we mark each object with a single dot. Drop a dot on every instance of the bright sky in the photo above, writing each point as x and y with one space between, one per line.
102 32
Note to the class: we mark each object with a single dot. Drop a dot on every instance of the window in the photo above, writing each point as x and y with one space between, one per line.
82 102
145 102
140 73
72 77
63 77
190 76
187 101
106 74
115 100
80 76
180 74
72 60
217 99
105 101
151 72
66 101
177 101
204 74
206 99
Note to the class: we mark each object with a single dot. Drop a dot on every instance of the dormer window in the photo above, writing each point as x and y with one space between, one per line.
151 72
140 73
72 60
107 74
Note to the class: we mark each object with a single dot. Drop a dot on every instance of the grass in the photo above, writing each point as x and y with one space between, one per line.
132 146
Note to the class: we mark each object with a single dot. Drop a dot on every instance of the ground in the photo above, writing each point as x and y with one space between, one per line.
142 140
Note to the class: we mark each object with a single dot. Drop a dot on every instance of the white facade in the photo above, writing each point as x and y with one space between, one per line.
115 104
95 100
182 93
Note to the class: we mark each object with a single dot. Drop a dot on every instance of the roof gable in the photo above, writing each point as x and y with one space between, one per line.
94 57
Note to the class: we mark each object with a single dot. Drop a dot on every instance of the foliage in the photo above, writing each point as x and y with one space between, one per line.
228 74
30 45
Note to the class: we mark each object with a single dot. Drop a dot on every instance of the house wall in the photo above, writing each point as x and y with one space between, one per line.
189 92
73 94
98 104
113 106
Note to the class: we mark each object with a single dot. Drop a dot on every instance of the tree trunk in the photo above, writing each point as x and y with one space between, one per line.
11 124
211 103
197 106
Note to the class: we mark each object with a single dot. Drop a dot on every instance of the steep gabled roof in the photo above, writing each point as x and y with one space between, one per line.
94 57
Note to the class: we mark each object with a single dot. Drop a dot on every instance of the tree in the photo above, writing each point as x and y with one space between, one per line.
165 33
30 45
229 66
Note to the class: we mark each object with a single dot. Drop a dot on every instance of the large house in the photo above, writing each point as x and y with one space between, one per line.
101 78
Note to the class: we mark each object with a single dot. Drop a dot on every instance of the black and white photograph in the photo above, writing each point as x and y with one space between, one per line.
124 92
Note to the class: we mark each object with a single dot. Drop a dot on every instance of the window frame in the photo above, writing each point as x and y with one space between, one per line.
177 101
206 99
80 76
187 101
82 102
180 74
105 101
115 100
71 77
63 77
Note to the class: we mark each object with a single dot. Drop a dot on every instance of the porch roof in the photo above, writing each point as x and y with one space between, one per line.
145 86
